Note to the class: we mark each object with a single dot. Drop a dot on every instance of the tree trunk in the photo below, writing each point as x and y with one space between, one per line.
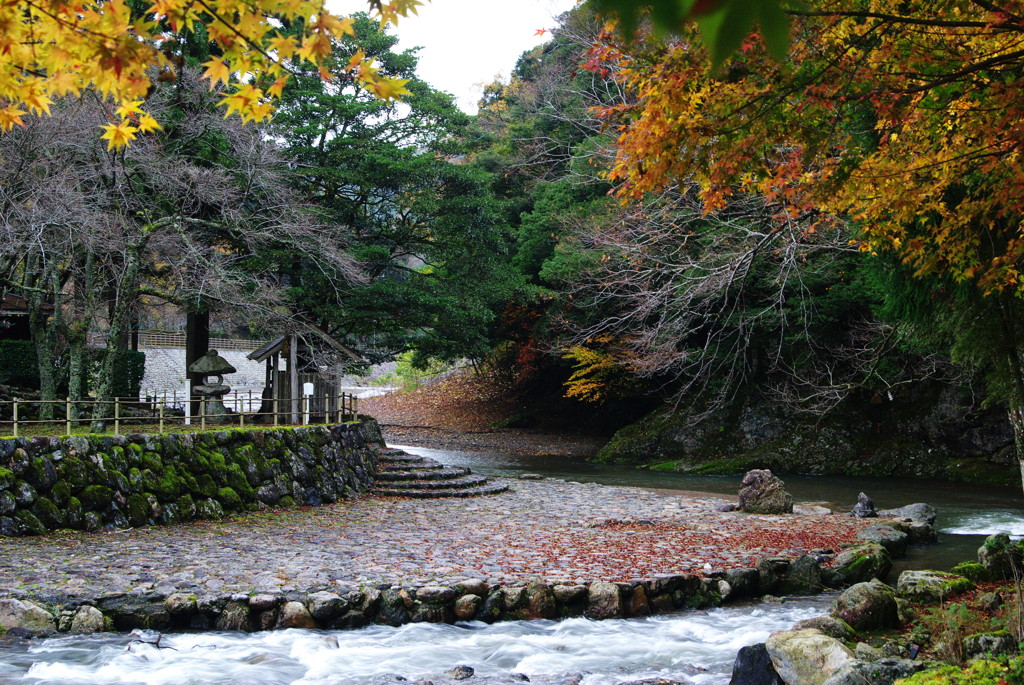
197 343
120 313
1015 400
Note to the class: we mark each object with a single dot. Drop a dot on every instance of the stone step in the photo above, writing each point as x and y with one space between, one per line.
488 489
445 473
448 484
401 458
409 465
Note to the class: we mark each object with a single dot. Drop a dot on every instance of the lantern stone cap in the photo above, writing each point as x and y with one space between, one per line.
211 364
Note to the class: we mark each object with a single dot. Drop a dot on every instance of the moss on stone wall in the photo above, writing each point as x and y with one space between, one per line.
136 480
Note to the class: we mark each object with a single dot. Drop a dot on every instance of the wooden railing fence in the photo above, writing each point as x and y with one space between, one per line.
165 411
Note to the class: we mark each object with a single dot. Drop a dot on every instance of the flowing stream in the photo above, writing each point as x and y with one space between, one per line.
694 647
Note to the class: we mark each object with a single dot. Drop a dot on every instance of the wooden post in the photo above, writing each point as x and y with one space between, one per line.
202 413
117 415
15 415
327 408
293 375
67 414
241 417
275 411
161 417
355 408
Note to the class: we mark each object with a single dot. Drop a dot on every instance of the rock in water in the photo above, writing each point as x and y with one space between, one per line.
753 666
763 493
864 508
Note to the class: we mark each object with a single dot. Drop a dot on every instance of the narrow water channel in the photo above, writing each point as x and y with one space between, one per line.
692 647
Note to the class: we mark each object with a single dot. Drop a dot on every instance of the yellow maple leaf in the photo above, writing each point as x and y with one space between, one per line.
217 71
129 109
118 134
147 124
10 117
277 87
389 88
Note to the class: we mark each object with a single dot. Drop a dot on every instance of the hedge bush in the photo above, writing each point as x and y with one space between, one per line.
18 367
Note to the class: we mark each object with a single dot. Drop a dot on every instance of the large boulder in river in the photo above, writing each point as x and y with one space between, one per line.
864 508
931 586
999 555
859 564
25 615
764 493
867 606
919 512
893 540
806 657
753 666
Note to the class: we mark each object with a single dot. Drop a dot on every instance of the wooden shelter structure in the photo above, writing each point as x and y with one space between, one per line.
285 384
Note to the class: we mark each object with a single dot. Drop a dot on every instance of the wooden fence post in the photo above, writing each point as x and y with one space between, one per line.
202 413
15 415
161 417
117 415
67 414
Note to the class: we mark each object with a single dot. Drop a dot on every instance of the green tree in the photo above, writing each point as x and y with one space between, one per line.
424 226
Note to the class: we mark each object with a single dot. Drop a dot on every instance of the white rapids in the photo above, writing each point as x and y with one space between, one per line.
695 647
987 522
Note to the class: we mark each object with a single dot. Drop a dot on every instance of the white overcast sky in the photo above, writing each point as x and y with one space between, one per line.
466 43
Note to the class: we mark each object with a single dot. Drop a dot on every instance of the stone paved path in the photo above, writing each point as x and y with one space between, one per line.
551 530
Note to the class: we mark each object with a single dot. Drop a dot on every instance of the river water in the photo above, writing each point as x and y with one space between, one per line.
694 647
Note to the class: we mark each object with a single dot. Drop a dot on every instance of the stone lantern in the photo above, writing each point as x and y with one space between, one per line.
212 367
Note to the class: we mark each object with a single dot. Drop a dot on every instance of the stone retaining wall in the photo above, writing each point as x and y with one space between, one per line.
88 482
345 606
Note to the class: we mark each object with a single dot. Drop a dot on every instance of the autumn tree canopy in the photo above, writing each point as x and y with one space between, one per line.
53 48
903 116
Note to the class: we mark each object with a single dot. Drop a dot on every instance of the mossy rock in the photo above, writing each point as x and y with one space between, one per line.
972 570
209 508
286 501
187 481
239 482
116 460
151 461
61 492
41 473
74 514
92 520
118 481
135 483
48 513
206 486
931 586
6 478
167 486
980 672
77 472
96 497
186 508
230 499
138 510
28 523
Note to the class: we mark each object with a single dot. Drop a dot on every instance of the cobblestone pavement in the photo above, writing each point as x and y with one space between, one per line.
555 531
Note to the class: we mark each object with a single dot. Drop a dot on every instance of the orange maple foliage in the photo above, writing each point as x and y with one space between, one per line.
53 48
906 117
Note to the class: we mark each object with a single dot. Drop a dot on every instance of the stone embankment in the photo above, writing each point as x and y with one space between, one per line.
88 482
544 549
